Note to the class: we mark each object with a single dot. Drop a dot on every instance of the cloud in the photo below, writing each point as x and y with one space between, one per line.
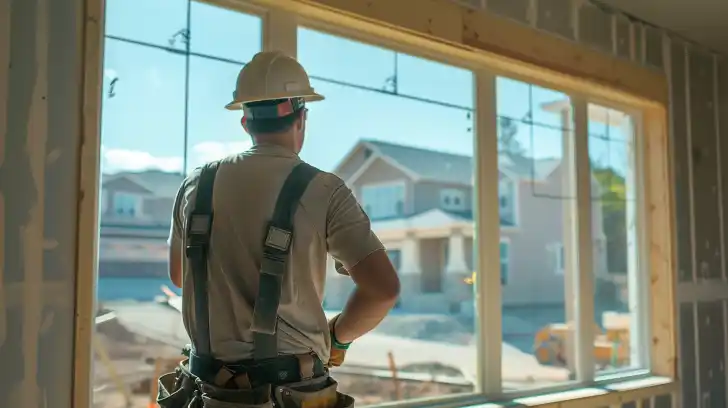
110 73
115 160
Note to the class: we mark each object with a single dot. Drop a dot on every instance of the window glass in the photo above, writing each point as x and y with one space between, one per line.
618 301
158 22
155 125
453 199
505 257
225 35
127 204
383 201
533 135
365 136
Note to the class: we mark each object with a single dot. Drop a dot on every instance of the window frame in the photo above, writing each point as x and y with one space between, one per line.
392 183
280 22
450 192
138 203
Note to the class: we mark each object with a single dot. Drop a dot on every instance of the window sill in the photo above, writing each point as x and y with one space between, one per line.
600 395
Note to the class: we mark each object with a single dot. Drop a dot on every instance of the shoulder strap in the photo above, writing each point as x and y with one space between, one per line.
276 251
199 229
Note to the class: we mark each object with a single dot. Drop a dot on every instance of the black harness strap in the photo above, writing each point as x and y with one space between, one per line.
276 251
199 229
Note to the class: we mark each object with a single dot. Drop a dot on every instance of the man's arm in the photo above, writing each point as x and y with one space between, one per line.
352 242
175 241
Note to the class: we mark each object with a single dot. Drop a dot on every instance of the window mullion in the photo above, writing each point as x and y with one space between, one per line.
584 288
280 32
487 224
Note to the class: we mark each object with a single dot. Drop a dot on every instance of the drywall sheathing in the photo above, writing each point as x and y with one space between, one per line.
4 71
28 392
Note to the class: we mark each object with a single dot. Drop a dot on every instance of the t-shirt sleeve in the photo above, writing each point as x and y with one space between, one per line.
176 229
349 235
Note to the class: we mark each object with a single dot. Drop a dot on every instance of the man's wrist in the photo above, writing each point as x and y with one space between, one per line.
334 341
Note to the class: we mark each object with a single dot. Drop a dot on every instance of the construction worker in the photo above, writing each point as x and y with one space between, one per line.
250 256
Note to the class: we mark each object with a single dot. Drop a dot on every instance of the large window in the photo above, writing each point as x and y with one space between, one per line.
376 100
169 68
552 294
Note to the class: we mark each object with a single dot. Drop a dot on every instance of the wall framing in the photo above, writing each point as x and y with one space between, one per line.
461 37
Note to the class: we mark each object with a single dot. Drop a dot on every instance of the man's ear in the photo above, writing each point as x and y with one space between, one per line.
244 122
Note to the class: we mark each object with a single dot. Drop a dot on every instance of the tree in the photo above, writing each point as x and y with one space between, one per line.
507 142
614 213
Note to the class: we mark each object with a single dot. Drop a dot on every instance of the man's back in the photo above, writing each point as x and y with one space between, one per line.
245 193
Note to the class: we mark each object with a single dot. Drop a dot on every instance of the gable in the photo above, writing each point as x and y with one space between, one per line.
353 162
377 171
123 184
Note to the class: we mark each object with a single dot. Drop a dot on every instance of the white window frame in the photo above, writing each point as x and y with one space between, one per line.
393 183
138 203
450 192
280 33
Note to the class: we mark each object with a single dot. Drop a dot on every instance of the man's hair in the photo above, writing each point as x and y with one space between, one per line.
275 125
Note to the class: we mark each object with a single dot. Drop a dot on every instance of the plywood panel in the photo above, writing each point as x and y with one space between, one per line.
703 141
689 371
681 170
556 17
711 351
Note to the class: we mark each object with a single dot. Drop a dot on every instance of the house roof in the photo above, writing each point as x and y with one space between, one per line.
456 168
159 183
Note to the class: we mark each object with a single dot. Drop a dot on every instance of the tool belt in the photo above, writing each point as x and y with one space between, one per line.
269 379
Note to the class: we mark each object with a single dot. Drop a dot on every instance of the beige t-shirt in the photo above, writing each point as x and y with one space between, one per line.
328 220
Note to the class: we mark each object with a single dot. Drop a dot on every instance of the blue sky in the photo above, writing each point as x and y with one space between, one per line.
143 123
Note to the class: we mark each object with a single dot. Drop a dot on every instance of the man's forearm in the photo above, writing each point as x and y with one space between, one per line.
362 313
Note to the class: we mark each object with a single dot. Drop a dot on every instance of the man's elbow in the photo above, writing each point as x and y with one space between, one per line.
390 292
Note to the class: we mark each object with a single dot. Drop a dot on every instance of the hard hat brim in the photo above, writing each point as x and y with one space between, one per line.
238 105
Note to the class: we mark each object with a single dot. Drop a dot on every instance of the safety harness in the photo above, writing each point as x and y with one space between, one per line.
276 252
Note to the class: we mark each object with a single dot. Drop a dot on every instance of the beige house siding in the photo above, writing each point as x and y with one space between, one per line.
427 195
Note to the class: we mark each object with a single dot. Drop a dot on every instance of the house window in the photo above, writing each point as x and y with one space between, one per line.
395 256
506 200
383 200
452 199
127 204
505 249
559 258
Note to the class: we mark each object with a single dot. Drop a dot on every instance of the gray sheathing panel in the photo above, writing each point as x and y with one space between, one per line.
595 27
689 370
662 401
555 16
680 165
711 350
39 223
653 47
622 36
723 140
638 35
703 140
514 9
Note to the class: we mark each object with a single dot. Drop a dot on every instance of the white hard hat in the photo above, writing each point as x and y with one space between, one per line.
272 75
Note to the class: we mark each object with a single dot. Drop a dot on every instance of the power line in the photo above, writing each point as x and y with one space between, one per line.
314 77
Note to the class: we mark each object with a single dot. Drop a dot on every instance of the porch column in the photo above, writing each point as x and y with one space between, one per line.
456 262
410 256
